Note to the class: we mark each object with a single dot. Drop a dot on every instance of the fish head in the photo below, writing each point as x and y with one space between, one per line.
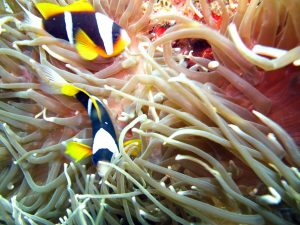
120 40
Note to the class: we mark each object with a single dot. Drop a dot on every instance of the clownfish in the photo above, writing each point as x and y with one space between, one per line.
91 32
105 145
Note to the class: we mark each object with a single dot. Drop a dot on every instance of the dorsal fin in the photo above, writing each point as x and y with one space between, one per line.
48 9
79 6
69 90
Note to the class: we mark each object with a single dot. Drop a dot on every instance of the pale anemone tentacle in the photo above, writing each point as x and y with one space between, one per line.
289 57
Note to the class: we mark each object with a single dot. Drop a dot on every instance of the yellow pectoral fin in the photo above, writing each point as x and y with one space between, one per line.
85 46
137 147
78 151
49 9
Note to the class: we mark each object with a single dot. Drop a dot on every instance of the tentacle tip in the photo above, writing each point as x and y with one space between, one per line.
256 112
212 65
107 87
179 157
234 127
231 26
14 45
143 118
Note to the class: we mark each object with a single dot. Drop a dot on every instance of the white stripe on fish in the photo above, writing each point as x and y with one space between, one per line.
105 25
69 26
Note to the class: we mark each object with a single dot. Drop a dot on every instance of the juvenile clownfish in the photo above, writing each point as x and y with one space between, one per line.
105 145
92 33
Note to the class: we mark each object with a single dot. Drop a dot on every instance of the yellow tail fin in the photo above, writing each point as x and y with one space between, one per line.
78 151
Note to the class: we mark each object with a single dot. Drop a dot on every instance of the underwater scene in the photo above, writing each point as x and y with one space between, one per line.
149 112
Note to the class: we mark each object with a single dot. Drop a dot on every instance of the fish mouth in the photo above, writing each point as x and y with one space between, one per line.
125 37
102 169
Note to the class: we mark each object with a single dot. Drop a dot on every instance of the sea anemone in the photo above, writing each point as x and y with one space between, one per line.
211 88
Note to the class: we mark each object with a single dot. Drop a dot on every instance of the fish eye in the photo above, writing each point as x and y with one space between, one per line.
115 37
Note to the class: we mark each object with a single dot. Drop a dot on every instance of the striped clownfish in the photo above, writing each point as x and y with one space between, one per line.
92 33
105 145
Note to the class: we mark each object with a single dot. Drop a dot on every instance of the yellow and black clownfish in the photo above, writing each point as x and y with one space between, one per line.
105 145
92 33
